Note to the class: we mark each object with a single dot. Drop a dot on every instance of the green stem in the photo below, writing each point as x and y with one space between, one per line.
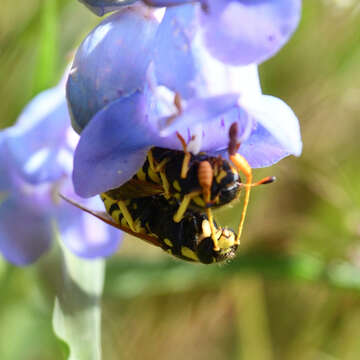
77 312
47 48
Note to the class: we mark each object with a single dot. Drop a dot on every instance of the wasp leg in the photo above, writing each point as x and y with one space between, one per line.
165 183
185 165
151 160
124 210
184 205
213 229
205 177
161 165
242 165
187 157
152 170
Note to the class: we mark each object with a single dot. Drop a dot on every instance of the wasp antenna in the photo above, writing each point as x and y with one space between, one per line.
264 181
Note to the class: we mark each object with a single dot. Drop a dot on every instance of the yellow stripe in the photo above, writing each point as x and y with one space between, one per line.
188 253
199 201
176 185
221 176
153 176
138 226
127 215
107 202
115 215
124 222
168 242
165 184
151 160
141 174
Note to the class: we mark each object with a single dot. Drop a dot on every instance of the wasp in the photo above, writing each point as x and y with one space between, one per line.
168 202
197 182
189 239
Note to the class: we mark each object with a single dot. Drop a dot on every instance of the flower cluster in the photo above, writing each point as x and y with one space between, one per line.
144 74
36 156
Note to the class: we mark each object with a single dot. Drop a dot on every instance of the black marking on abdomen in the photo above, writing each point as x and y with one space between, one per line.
113 208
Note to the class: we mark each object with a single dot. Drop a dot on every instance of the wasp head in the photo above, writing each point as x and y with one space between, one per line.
206 252
226 183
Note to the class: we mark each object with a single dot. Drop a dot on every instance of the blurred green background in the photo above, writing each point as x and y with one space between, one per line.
294 290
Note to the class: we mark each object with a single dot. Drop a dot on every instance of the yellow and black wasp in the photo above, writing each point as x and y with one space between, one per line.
168 202
197 182
189 239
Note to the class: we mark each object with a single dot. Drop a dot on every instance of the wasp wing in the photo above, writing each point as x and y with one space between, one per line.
135 188
105 217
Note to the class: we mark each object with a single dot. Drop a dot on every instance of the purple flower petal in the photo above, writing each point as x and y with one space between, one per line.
261 148
243 32
111 63
113 146
25 234
217 78
130 96
199 111
174 62
215 134
34 143
278 119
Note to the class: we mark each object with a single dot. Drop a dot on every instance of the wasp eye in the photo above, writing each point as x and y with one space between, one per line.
229 193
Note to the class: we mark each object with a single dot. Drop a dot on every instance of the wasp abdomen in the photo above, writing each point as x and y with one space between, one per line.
190 239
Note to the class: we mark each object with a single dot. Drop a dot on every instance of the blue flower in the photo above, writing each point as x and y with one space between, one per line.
141 76
36 158
237 32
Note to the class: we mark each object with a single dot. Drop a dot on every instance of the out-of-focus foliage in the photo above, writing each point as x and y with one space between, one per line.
294 292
